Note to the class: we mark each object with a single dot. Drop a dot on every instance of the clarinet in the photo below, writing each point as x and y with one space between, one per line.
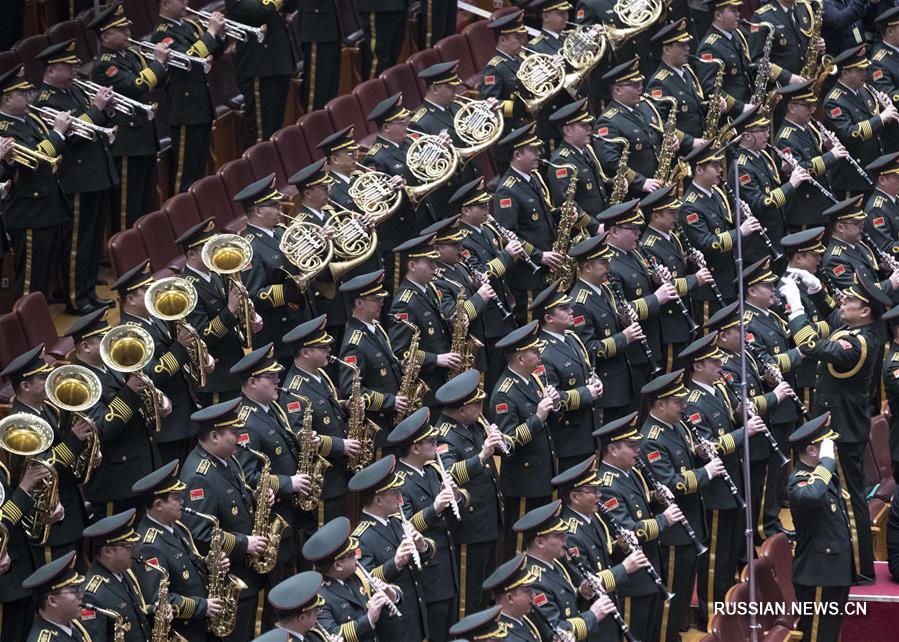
836 293
754 412
763 233
558 633
631 314
699 259
630 541
774 372
510 236
665 275
887 260
710 452
789 160
667 499
482 278
596 585
832 137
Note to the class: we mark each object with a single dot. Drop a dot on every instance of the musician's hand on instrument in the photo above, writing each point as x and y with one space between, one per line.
209 366
794 78
31 477
789 290
444 498
61 122
633 332
715 468
368 220
234 300
5 563
102 98
58 514
595 388
839 150
351 447
444 136
329 231
6 146
486 292
894 280
491 443
396 182
544 408
256 324
783 390
97 458
704 276
449 360
675 144
403 553
755 425
603 607
651 185
799 176
809 280
888 113
420 544
166 408
81 429
665 293
377 602
820 45
514 248
216 23
185 338
301 484
551 259
401 404
161 52
492 103
673 514
214 607
750 225
635 561
699 142
256 544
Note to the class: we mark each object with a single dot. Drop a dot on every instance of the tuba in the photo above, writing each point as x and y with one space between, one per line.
172 299
23 436
543 76
374 194
129 348
228 255
477 125
74 389
432 160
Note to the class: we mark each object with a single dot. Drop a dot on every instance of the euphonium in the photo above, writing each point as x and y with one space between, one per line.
411 387
228 255
308 249
359 427
462 343
227 589
172 299
433 160
374 193
310 462
23 436
74 389
129 348
265 561
477 124
542 75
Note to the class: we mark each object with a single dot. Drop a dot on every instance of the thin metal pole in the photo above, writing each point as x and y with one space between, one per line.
754 626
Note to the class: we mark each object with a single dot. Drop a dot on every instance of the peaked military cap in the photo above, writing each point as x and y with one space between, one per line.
197 234
257 363
389 110
810 240
421 247
310 334
550 5
847 210
88 325
708 152
443 73
802 91
813 431
483 625
311 175
886 164
341 139
27 364
888 18
461 390
330 542
542 521
628 71
368 284
759 272
261 192
752 118
592 247
665 386
626 213
414 428
524 136
664 198
220 416
703 348
14 80
582 474
523 338
868 293
510 575
376 478
297 593
673 32
551 297
571 113
472 193
725 318
114 16
162 481
62 52
509 23
854 58
446 231
116 529
137 277
58 574
621 429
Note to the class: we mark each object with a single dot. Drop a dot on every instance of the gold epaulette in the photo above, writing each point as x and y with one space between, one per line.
834 94
611 112
880 55
786 132
661 74
741 159
95 582
493 62
203 467
405 296
712 38
654 432
582 296
355 338
692 197
608 478
506 385
573 524
150 536
363 525
107 57
510 181
565 152
374 149
649 241
296 382
444 428
162 26
878 201
419 114
46 635
764 9
694 396
244 412
837 250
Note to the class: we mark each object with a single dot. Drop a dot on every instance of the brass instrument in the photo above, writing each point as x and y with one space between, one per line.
665 172
176 59
477 125
118 622
32 158
234 30
228 255
763 66
353 241
639 13
432 160
568 216
462 343
4 531
310 462
78 127
411 387
23 437
619 181
812 68
308 249
359 427
543 76
129 348
582 49
172 299
162 625
74 389
265 561
373 193
122 104
227 589
713 113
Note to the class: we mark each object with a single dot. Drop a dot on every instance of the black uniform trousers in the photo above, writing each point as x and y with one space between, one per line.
679 573
39 253
45 554
135 194
758 479
475 562
641 614
264 99
190 154
16 618
89 211
775 478
384 35
725 537
441 616
321 79
850 467
249 618
827 625
437 21
641 373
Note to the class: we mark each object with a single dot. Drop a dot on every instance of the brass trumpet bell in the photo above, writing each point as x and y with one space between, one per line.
227 254
73 388
171 299
126 348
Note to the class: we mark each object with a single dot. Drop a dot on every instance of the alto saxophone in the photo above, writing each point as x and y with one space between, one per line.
619 182
410 386
713 114
669 137
162 624
226 589
462 343
359 427
310 462
568 216
265 561
118 622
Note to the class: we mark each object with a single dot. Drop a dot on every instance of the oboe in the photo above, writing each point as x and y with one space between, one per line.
829 135
836 293
763 233
596 585
754 412
774 372
447 485
510 236
481 278
629 539
710 452
666 497
631 314
789 160
886 259
665 275
380 587
699 259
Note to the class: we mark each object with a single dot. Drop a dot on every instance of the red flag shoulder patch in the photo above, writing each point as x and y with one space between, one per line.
692 218
578 320
540 599
443 448
695 417
750 337
879 220
753 28
465 253
539 370
402 315
350 358
611 503
358 553
88 614
707 57
293 406
154 562
878 74
502 408
111 71
745 178
574 551
836 111
197 493
562 172
580 14
243 438
846 345
655 455
656 93
505 202
838 270
490 80
167 40
603 131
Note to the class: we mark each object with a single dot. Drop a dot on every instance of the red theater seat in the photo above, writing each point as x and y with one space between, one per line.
27 50
455 47
264 160
126 250
370 93
345 110
777 550
62 31
401 78
292 148
235 176
156 233
142 14
481 43
223 83
8 60
422 60
13 341
213 200
316 127
38 326
182 212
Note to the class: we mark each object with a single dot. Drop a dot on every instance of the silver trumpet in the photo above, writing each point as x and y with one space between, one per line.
78 127
177 59
234 30
122 104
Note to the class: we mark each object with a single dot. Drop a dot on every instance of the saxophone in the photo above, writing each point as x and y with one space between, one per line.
462 344
713 115
227 589
265 561
118 622
568 216
813 68
664 173
619 182
763 67
162 625
310 462
359 427
410 387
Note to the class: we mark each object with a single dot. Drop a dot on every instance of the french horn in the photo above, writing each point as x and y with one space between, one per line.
432 160
373 193
477 124
172 299
75 389
307 248
542 75
128 349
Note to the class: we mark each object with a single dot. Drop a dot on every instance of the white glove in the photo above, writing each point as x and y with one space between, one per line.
790 292
809 280
827 448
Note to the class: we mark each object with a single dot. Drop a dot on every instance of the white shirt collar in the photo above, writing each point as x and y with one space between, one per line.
262 229
552 33
419 286
621 470
21 119
586 518
664 423
726 34
435 105
595 288
704 386
526 177
343 177
892 198
370 326
667 235
560 337
156 521
420 471
203 275
291 631
797 125
705 191
311 375
761 310
380 520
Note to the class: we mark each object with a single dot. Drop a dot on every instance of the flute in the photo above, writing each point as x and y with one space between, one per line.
632 316
408 532
380 587
710 452
490 429
447 485
596 585
666 497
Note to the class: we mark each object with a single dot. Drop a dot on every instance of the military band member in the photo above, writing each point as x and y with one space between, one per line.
512 587
387 550
675 78
130 74
523 204
851 356
883 72
557 589
498 79
191 109
35 213
881 209
263 68
167 370
467 449
215 317
28 375
710 416
891 393
270 280
216 486
553 16
127 438
792 22
823 567
340 150
521 405
307 378
384 26
852 111
87 173
166 543
296 602
483 625
110 582
321 41
352 606
57 597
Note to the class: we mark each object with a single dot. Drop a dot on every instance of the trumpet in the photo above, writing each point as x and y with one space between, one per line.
32 158
177 59
172 299
234 30
122 104
129 348
74 389
78 127
228 255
